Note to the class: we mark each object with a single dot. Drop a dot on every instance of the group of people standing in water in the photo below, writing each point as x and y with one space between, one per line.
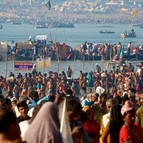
86 51
99 107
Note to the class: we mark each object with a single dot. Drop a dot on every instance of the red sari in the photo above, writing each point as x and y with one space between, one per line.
134 135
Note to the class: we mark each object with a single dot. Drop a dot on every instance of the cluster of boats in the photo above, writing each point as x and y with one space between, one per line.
126 34
22 51
55 25
129 34
41 26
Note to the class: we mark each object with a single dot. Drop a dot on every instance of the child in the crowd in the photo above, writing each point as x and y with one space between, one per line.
23 109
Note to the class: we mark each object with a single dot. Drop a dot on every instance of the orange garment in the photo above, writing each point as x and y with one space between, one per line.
106 138
16 51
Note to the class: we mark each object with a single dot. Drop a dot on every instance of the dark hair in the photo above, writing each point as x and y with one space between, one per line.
125 98
73 104
22 104
52 98
97 95
34 95
1 98
118 99
6 101
7 117
132 90
69 92
83 116
116 122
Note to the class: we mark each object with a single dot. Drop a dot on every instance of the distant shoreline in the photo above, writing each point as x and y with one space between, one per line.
117 18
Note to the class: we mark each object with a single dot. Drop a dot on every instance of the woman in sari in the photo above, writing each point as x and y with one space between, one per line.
112 129
130 132
45 127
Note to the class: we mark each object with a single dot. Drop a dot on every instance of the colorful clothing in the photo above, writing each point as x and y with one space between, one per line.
98 114
106 137
133 135
92 128
139 118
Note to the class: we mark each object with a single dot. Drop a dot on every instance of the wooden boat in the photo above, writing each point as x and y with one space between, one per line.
106 32
62 25
130 57
41 26
129 34
16 22
139 55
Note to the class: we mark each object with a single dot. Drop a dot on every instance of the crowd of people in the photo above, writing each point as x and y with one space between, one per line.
101 106
110 51
86 51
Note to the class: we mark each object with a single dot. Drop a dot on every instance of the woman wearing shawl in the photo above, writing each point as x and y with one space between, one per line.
130 132
45 127
90 80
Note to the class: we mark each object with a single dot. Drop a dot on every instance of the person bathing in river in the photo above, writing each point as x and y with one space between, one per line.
69 72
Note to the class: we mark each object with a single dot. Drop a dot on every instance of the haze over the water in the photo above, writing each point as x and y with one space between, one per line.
72 36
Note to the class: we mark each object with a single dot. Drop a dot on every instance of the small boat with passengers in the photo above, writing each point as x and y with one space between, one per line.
41 26
106 32
129 34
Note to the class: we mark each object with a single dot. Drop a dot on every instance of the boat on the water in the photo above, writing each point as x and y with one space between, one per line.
32 50
62 25
106 31
16 22
41 26
106 26
129 34
138 25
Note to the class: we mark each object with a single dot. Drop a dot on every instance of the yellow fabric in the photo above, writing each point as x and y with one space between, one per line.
85 108
105 137
44 63
134 13
99 114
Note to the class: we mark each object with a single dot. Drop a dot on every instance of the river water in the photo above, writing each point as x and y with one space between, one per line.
85 66
73 37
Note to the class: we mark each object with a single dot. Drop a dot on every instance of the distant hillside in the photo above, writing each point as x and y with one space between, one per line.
61 1
74 11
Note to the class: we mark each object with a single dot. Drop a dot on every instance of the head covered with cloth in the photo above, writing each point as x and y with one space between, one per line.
45 127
